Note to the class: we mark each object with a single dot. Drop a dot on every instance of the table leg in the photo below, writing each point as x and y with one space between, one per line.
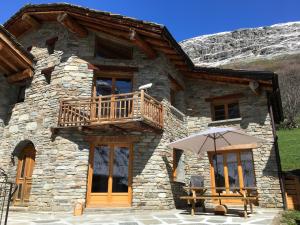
245 208
193 208
204 209
193 202
251 206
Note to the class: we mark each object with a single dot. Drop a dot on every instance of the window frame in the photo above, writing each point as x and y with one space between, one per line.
224 100
224 103
225 169
114 77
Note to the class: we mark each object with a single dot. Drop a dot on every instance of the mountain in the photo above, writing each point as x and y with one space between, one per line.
244 45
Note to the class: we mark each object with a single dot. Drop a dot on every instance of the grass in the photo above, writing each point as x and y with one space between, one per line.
289 147
291 217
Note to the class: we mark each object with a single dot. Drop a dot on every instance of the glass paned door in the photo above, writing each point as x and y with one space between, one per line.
110 175
101 169
232 170
111 106
120 169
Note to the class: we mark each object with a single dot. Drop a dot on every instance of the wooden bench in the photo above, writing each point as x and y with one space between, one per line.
193 199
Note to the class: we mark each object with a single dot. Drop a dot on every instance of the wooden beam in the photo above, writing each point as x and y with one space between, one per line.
174 57
223 79
182 67
112 139
25 74
9 47
157 42
3 70
117 24
106 30
107 68
31 21
8 62
223 97
143 45
166 50
178 62
72 25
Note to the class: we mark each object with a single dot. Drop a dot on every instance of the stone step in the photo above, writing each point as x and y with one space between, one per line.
115 210
18 208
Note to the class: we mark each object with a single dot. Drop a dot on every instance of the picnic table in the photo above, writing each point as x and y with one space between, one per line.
199 194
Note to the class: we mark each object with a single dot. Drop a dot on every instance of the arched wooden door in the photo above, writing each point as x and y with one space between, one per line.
24 175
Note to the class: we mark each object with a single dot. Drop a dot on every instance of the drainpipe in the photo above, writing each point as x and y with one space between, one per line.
278 161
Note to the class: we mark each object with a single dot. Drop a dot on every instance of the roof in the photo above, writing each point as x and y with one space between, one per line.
151 38
16 43
15 62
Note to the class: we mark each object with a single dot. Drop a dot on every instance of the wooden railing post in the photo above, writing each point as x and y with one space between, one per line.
142 101
112 107
99 108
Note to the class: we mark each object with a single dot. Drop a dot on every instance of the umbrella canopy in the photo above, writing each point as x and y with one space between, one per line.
213 139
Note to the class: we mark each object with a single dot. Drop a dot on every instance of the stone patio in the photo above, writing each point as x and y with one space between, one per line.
260 217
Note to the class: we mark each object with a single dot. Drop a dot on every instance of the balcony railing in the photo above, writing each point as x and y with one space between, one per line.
110 109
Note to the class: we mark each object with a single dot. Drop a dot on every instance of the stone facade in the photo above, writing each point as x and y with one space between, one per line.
60 173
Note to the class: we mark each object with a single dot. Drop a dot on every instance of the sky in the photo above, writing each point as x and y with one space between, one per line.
187 18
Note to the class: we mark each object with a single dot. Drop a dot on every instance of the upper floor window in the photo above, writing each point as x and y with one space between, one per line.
47 74
112 50
226 110
112 85
50 43
21 94
225 107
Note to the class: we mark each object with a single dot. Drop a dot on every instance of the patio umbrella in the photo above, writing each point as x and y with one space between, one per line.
213 139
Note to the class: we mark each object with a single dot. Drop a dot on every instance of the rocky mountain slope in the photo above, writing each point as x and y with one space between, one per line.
244 45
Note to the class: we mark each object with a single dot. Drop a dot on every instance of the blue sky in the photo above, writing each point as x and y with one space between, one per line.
187 18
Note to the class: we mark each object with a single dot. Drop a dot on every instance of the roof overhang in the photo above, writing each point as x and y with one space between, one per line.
16 64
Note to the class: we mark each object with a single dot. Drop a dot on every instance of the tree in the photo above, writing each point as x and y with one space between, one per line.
289 81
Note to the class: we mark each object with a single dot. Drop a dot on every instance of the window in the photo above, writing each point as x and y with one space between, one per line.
47 73
232 170
50 43
178 166
226 110
21 94
225 107
112 85
112 50
29 48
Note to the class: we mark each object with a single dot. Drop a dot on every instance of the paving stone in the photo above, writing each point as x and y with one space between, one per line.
150 222
129 223
45 221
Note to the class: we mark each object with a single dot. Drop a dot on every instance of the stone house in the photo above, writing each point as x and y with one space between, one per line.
75 126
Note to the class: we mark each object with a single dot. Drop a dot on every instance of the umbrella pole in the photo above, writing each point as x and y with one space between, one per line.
216 157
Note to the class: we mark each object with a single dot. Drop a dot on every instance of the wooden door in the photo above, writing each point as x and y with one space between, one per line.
110 175
24 176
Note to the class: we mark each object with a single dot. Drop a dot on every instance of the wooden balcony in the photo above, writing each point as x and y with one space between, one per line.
132 111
